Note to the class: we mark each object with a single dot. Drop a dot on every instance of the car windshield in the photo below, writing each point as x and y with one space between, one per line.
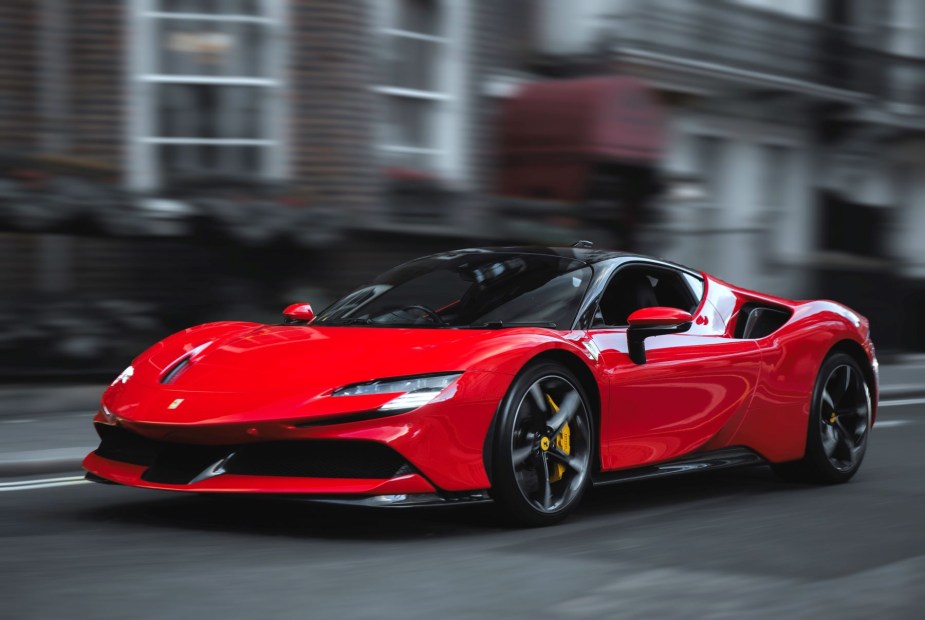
468 289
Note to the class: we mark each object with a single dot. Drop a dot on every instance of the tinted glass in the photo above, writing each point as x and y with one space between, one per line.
469 290
207 111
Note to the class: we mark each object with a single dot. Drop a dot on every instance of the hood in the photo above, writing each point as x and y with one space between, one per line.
240 372
275 357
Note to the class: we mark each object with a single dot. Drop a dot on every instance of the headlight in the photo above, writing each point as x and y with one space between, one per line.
413 392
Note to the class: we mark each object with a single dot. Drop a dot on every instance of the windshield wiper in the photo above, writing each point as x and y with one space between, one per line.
503 324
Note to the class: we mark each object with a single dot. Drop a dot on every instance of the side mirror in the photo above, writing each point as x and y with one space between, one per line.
655 321
299 312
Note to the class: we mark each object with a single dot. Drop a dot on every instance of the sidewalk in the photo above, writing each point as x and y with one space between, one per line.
47 429
29 400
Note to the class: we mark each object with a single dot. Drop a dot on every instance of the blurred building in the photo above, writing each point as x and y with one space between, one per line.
343 97
778 143
794 162
232 142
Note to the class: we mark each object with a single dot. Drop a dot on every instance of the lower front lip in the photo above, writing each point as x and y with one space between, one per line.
131 475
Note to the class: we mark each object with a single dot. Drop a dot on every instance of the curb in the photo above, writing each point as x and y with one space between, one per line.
21 403
27 401
37 462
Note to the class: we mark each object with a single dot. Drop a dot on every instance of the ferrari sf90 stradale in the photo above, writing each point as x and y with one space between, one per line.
518 375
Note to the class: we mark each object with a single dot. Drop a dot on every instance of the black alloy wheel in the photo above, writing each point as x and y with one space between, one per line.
541 453
838 427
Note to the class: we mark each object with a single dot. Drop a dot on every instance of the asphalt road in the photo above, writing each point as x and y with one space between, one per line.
722 545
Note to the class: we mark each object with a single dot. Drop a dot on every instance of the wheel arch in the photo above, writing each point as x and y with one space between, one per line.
588 382
856 352
817 464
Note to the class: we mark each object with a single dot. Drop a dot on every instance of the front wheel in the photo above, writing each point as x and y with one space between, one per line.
839 424
542 447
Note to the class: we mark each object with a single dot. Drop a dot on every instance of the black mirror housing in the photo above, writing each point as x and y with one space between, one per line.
635 338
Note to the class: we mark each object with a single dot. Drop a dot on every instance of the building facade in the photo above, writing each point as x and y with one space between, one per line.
795 161
231 141
792 161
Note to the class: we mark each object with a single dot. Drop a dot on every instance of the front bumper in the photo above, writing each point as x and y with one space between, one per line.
296 467
436 449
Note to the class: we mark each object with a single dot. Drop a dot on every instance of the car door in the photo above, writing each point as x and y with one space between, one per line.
692 388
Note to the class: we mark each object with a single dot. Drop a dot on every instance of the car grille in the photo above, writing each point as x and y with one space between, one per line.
181 463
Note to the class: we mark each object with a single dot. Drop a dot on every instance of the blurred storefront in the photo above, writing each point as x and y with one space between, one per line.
263 149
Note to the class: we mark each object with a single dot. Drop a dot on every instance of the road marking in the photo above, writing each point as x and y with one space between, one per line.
59 479
47 483
890 423
70 412
899 403
18 421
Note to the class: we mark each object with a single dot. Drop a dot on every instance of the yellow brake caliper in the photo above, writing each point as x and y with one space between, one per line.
562 442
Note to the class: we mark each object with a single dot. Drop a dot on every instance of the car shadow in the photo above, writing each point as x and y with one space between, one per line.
302 519
296 518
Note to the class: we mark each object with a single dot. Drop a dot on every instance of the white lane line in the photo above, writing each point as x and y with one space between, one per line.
18 421
890 423
48 414
43 480
28 485
899 403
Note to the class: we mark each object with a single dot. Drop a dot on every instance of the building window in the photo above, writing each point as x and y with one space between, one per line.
209 76
421 85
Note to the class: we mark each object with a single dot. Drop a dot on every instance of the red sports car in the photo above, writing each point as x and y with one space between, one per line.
518 375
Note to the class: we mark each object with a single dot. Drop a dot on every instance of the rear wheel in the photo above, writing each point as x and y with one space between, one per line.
541 452
839 423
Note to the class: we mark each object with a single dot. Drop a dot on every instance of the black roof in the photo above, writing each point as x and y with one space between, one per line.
588 256
585 255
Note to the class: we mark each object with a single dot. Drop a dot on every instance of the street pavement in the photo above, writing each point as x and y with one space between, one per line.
736 544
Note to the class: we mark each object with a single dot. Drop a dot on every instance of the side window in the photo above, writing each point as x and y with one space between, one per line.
635 287
757 320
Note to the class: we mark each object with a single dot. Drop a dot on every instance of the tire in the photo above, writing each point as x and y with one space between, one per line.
839 425
542 445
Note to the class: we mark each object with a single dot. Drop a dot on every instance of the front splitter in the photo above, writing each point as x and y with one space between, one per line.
406 500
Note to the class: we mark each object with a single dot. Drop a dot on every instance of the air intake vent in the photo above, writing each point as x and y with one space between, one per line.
181 463
181 364
171 375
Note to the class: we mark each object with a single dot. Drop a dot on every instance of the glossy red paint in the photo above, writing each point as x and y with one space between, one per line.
701 390
690 387
273 380
299 312
658 316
